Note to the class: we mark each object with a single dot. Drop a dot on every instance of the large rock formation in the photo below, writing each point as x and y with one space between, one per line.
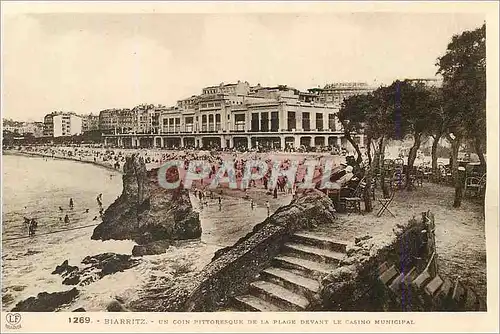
46 302
146 212
95 268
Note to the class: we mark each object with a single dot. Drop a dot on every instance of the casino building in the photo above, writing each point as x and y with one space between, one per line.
236 115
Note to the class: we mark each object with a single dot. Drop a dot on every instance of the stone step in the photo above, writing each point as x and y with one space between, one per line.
433 286
388 275
254 304
471 301
482 305
279 296
458 294
289 280
395 286
303 267
410 277
422 279
445 289
383 267
319 241
231 309
313 253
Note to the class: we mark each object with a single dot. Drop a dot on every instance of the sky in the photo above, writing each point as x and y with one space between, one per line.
87 62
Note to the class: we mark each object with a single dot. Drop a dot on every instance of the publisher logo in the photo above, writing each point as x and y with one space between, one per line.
13 320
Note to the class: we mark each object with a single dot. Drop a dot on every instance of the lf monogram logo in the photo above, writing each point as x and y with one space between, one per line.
13 320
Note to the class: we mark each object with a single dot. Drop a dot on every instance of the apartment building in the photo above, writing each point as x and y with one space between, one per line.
66 124
240 115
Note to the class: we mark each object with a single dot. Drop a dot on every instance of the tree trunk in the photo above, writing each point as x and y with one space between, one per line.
411 159
381 154
369 150
455 146
367 193
459 188
479 151
359 159
435 171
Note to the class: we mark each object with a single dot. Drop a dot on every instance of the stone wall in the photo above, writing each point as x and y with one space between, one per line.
396 273
234 268
355 284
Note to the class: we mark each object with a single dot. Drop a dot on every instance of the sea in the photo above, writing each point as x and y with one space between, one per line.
40 188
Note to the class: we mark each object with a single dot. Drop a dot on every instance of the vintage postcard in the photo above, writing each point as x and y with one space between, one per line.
249 167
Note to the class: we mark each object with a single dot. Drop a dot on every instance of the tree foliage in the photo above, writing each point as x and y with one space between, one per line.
463 67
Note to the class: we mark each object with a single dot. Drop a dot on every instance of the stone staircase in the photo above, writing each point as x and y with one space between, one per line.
292 280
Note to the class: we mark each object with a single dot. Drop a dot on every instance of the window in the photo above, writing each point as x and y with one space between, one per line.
204 123
319 121
255 122
239 122
331 122
210 122
217 122
291 120
264 121
306 122
275 121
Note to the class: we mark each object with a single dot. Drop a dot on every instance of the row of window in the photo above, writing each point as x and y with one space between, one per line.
210 105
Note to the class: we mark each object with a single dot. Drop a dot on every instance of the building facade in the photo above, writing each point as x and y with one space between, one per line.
23 128
90 122
335 93
239 116
66 124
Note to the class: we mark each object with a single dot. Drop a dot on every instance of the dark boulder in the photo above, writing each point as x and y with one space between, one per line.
116 306
153 248
71 280
96 267
46 302
64 269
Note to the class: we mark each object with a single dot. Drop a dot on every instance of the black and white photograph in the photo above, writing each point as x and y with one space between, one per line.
246 162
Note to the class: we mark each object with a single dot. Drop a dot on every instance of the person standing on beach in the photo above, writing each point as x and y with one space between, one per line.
252 204
268 208
31 229
71 203
66 219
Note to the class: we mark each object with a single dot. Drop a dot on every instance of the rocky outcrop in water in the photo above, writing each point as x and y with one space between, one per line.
96 267
152 248
146 212
46 302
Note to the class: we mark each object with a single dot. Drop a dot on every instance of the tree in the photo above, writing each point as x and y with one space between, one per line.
352 116
418 104
370 114
438 125
463 67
